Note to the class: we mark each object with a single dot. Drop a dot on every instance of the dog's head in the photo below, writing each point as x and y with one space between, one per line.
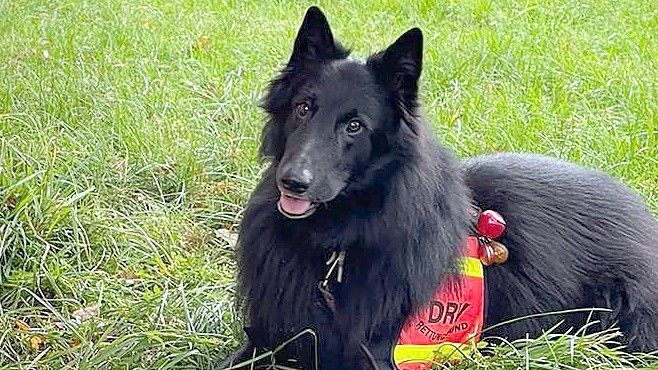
334 121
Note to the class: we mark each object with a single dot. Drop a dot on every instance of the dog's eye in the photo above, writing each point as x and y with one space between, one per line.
353 127
302 109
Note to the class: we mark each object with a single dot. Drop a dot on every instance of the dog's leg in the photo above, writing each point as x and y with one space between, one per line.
638 318
377 356
243 354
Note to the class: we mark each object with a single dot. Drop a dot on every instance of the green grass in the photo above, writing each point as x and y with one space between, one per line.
129 132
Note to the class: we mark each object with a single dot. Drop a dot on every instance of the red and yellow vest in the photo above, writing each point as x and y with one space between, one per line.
452 323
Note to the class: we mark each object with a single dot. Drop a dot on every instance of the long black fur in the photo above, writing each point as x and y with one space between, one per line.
577 239
398 203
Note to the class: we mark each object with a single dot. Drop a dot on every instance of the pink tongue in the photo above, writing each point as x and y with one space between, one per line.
294 206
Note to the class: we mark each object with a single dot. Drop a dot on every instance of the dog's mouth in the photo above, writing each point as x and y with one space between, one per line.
294 207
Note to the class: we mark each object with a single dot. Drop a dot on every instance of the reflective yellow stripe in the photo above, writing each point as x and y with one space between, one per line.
472 267
430 352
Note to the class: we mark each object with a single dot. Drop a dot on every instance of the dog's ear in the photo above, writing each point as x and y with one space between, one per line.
314 40
398 67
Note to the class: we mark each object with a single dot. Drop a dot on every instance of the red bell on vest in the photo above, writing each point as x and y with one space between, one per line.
491 224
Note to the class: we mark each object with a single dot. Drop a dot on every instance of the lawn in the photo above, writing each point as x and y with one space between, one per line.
128 147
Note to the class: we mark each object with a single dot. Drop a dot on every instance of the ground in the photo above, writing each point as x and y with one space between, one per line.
129 135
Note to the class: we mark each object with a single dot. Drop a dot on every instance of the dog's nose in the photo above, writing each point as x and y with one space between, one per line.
297 181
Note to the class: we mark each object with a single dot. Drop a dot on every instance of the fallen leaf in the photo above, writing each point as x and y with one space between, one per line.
202 43
12 201
119 164
37 342
140 197
87 313
128 275
21 325
223 188
59 325
229 237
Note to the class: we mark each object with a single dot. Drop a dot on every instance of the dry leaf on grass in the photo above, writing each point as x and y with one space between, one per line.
128 277
228 236
21 325
37 342
87 313
12 201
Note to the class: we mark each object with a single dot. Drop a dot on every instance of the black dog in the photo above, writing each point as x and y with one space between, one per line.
354 168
